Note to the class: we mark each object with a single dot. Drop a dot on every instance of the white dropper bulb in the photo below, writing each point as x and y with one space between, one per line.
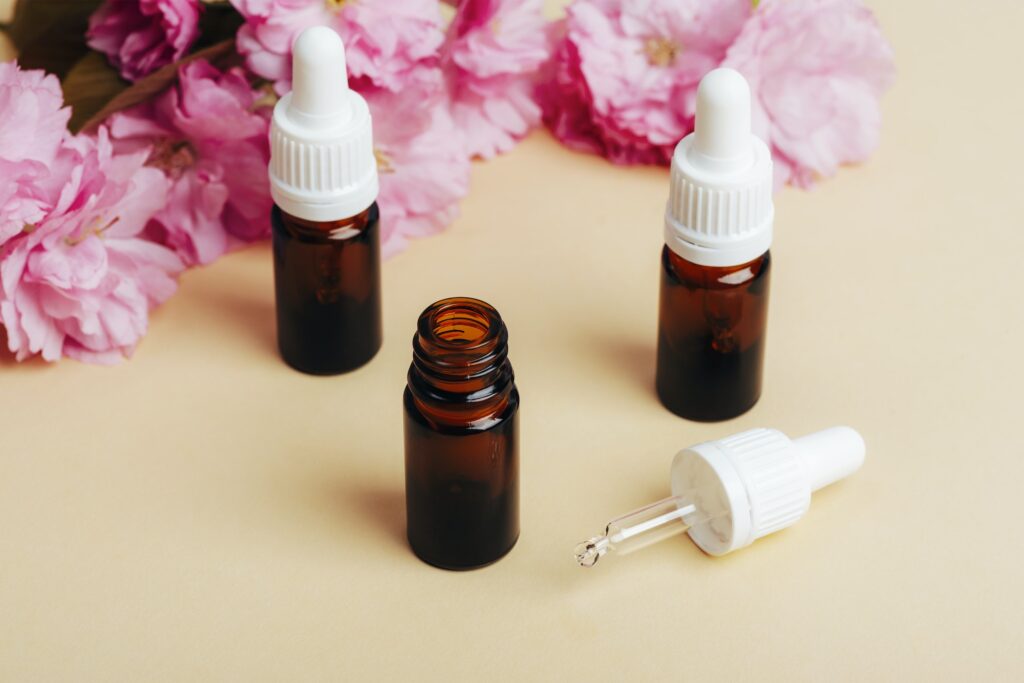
722 141
830 455
319 78
728 493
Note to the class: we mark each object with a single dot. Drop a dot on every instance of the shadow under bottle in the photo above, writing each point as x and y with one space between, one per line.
461 437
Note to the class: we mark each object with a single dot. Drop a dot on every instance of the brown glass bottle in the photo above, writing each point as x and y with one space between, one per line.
327 282
711 336
461 437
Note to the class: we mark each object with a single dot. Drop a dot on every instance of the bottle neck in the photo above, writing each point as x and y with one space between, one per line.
714 277
460 373
340 229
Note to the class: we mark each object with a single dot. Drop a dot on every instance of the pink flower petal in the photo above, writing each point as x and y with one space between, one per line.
817 70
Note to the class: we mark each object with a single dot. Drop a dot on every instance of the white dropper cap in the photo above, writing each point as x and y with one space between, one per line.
720 208
728 493
322 166
759 481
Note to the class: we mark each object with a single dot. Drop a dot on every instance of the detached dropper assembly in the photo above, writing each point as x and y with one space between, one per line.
726 494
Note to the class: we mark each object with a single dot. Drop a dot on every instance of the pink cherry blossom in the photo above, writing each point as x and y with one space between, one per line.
423 176
209 136
389 43
33 121
140 36
625 77
817 70
33 118
81 282
494 52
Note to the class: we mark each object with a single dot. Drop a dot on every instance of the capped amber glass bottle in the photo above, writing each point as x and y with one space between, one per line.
715 266
461 437
325 222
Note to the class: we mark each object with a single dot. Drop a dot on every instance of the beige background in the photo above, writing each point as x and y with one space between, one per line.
204 513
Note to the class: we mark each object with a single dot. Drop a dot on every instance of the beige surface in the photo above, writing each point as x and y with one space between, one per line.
203 513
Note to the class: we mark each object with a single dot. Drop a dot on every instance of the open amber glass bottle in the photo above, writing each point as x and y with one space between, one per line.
461 437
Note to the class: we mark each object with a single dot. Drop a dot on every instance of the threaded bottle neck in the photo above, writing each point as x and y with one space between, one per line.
460 371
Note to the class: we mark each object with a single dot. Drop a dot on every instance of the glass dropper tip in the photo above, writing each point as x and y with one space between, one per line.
642 527
589 552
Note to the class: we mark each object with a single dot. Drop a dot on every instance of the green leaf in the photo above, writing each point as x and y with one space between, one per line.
221 55
89 85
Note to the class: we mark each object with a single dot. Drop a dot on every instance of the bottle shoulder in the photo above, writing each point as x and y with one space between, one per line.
325 231
677 268
457 420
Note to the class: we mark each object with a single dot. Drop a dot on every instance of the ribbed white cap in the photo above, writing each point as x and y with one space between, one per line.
720 210
756 482
322 166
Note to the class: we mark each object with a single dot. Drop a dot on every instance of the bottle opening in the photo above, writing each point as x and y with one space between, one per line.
460 323
460 360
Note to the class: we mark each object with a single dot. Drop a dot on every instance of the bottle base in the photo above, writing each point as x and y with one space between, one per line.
456 567
704 415
328 371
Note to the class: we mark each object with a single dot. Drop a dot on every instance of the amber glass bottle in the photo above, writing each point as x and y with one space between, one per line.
327 281
461 437
715 265
325 221
711 333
